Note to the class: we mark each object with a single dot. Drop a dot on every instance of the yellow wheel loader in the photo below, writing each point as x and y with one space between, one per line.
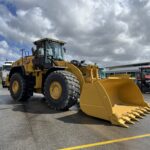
116 99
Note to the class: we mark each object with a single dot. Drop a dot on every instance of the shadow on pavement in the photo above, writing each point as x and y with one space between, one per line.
37 105
81 118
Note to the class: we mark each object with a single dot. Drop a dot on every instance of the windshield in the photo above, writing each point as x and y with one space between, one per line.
55 50
7 68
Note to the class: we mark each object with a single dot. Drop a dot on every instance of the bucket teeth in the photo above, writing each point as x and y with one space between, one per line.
127 119
144 110
131 122
141 109
132 117
137 114
122 123
135 119
148 109
140 112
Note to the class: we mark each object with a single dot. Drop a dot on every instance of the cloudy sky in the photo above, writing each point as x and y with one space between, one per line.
106 32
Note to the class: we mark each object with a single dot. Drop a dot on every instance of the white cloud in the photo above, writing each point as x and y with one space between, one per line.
119 51
27 26
7 52
107 59
115 31
3 44
32 21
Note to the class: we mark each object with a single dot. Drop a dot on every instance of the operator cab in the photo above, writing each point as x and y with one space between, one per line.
47 51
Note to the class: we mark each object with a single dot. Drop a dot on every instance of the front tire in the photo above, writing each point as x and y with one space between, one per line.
61 89
18 87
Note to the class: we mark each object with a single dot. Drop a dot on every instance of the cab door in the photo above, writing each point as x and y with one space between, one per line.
39 56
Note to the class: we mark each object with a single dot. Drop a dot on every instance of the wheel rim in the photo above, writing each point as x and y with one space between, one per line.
55 90
15 87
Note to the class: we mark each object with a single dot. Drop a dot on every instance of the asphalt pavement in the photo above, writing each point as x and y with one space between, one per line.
32 125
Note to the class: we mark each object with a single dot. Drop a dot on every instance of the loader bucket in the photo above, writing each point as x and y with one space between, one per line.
117 100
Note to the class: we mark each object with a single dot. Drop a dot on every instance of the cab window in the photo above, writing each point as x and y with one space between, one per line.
40 48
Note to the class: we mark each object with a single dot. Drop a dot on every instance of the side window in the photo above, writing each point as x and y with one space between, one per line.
50 49
40 49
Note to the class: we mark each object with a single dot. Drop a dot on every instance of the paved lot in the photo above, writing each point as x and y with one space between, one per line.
33 126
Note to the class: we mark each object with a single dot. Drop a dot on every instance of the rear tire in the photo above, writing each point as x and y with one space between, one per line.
70 90
22 92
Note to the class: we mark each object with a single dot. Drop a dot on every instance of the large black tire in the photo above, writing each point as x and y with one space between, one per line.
23 93
70 90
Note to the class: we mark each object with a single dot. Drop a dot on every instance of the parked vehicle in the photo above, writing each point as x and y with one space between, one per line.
5 71
139 73
143 79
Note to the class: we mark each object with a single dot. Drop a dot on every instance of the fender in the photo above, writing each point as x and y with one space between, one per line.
18 69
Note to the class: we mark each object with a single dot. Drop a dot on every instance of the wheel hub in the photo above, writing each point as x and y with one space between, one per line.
15 87
55 90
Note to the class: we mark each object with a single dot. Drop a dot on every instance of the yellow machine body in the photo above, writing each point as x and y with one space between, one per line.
116 99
